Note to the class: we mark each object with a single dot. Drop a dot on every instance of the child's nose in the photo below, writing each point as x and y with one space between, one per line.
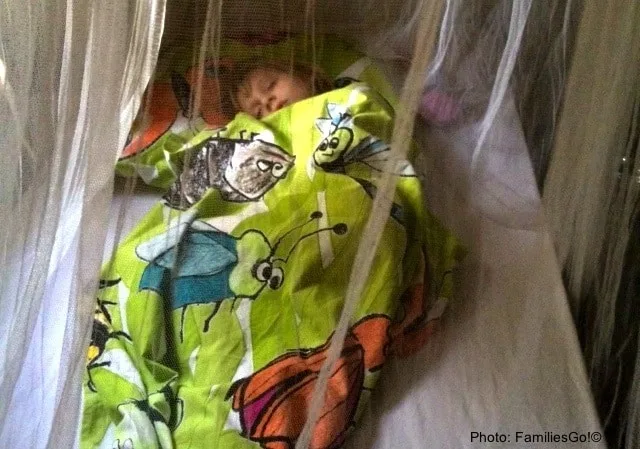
274 103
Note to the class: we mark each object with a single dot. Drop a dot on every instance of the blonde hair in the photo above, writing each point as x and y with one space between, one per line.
319 82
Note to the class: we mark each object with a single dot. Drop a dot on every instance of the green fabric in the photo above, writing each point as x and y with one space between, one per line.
257 282
331 55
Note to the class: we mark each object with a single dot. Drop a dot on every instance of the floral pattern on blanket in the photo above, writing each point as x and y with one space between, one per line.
215 314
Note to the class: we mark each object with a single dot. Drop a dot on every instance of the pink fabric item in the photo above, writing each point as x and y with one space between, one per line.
439 109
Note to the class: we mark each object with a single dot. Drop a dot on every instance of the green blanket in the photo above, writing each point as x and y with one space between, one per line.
214 316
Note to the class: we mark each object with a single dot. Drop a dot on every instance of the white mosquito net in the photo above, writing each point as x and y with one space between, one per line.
521 121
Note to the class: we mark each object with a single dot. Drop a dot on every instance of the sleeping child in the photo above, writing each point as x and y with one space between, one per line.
263 89
214 316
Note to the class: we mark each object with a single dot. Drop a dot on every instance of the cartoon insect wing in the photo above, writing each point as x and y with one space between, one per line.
270 400
203 262
375 153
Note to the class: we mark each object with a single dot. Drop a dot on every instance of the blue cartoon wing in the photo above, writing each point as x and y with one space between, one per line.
201 275
200 254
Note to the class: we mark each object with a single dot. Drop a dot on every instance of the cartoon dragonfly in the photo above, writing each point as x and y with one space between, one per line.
336 151
207 266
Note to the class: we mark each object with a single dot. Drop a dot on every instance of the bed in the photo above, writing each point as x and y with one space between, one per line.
507 358
506 367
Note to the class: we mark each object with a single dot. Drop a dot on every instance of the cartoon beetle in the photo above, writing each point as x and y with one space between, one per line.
336 151
241 170
272 402
208 266
101 333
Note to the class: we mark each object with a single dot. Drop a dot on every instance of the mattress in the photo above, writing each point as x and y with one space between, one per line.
506 368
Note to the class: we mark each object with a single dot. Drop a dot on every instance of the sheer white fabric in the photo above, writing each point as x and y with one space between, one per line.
72 76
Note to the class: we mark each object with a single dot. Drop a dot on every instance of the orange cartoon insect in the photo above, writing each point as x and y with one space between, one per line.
272 402
165 103
417 318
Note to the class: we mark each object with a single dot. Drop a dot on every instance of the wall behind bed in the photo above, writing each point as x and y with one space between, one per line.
380 28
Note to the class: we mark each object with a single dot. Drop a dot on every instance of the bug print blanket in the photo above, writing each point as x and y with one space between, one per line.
214 316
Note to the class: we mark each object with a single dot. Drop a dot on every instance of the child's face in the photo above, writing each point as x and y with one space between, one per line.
265 90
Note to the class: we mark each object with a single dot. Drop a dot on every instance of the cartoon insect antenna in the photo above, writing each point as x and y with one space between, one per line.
106 283
338 229
338 117
314 216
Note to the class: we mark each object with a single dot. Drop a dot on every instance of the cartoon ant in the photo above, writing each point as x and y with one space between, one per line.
101 333
163 408
160 412
335 152
208 266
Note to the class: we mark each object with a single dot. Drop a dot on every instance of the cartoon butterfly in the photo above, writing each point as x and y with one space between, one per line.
168 106
272 402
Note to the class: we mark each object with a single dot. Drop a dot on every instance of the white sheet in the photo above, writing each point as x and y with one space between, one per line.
508 359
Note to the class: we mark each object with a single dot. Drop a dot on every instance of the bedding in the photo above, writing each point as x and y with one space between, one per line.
214 315
507 358
172 114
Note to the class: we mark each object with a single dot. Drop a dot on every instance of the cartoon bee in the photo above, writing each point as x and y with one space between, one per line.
269 402
101 333
207 266
336 152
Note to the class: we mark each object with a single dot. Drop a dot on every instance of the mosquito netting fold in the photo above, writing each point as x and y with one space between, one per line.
318 223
